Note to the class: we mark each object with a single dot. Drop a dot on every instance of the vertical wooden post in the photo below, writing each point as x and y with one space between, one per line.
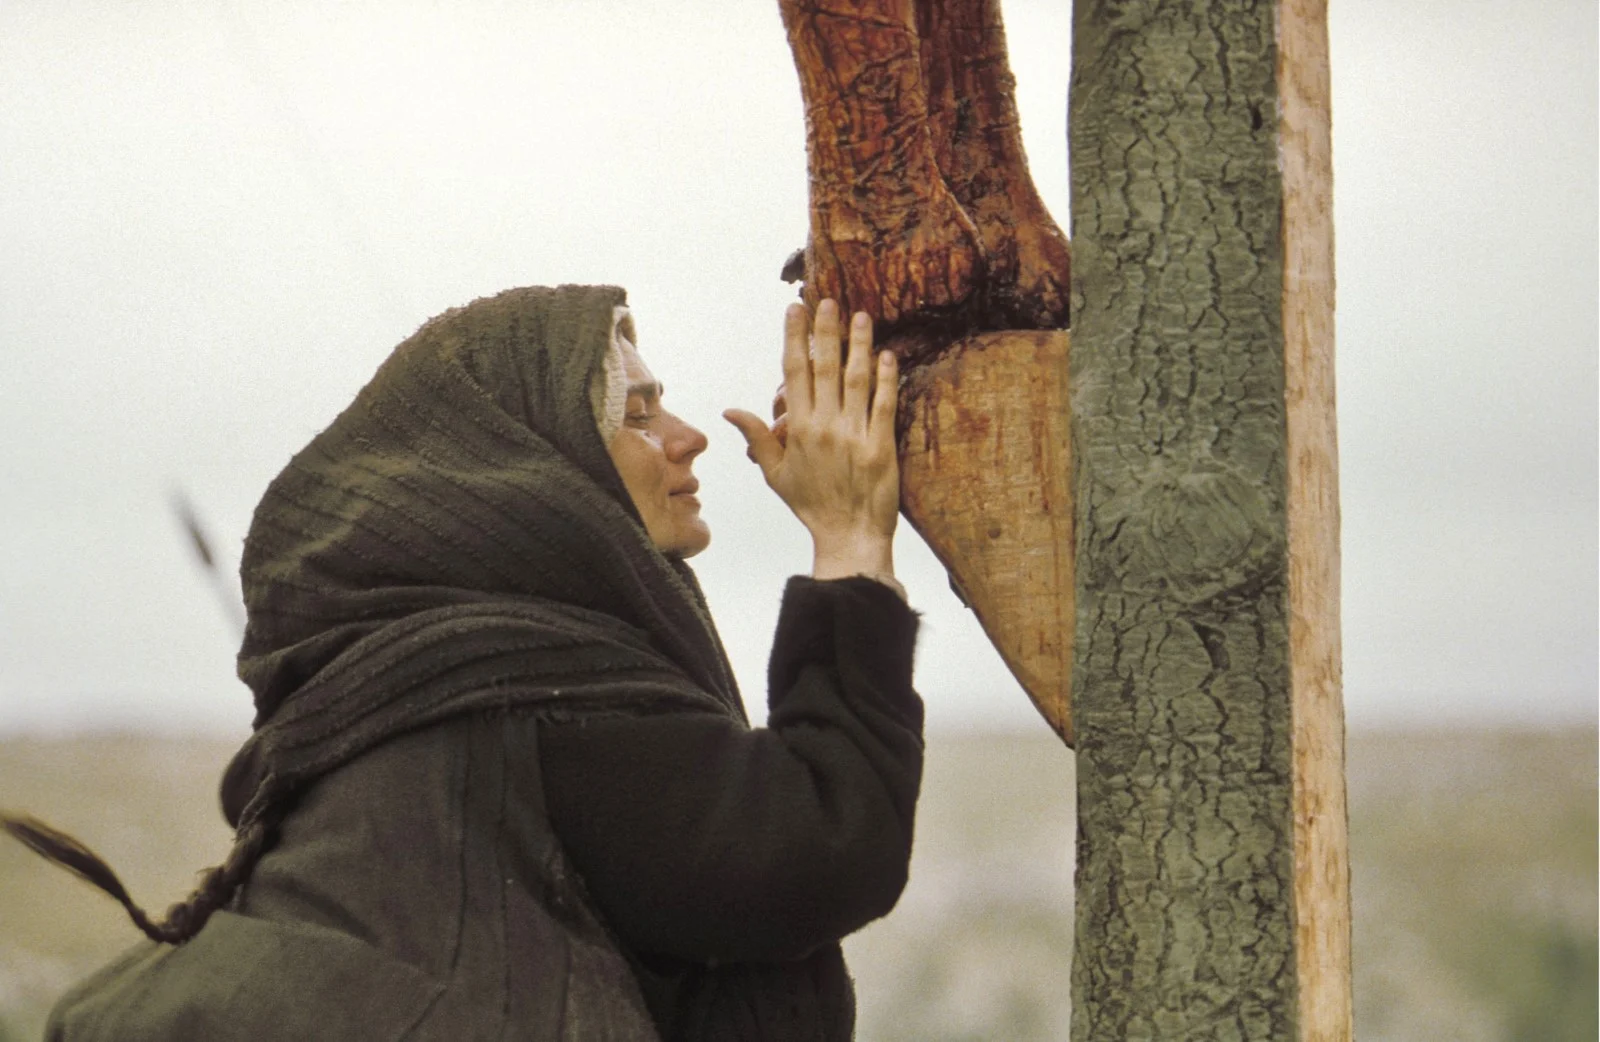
1321 821
1213 896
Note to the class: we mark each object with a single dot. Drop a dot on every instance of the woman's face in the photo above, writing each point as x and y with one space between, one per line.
653 452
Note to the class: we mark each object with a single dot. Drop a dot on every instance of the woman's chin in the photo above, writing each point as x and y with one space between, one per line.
699 540
689 537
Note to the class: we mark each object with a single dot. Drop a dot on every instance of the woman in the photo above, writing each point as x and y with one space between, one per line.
501 784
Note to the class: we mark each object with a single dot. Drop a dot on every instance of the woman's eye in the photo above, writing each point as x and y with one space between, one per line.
641 417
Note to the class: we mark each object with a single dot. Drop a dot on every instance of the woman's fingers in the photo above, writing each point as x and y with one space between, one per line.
796 362
858 372
830 452
825 360
761 444
886 398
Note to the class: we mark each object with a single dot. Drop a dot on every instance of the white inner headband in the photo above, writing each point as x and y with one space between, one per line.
608 396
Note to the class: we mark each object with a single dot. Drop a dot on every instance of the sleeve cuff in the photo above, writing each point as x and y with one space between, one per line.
855 624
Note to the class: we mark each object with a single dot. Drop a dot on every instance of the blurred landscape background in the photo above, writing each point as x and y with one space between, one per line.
1473 857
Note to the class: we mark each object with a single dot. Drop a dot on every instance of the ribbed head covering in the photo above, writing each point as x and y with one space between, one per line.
459 539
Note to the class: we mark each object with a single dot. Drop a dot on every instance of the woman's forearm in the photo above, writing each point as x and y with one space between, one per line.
703 840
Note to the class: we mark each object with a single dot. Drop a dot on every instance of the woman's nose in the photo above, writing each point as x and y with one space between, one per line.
687 442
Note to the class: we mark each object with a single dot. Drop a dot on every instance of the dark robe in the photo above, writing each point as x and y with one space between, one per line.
422 891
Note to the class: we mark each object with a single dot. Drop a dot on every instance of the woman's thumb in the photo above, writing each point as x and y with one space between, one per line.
761 445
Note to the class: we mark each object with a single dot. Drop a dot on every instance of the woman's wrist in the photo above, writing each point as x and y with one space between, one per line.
841 558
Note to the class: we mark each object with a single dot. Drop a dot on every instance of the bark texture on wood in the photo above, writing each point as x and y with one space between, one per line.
985 479
1185 915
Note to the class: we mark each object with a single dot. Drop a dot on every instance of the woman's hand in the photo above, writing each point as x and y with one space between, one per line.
835 465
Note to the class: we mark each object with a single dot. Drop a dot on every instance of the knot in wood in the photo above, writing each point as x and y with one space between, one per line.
1199 536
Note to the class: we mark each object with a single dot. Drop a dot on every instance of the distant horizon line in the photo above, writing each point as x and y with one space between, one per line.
935 731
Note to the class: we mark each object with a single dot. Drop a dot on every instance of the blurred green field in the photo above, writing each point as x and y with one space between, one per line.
1473 863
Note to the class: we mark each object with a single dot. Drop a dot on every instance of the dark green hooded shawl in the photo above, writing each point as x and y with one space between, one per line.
456 542
458 539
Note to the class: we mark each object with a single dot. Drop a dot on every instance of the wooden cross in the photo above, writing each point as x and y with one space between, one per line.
1146 525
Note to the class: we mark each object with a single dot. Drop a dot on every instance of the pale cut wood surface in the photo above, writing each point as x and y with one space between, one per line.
985 478
1321 821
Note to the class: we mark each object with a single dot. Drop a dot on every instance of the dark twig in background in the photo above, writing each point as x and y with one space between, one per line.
221 584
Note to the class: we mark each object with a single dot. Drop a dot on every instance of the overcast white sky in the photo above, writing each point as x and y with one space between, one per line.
216 219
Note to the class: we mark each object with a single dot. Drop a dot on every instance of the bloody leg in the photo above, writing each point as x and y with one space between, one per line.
977 143
887 236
